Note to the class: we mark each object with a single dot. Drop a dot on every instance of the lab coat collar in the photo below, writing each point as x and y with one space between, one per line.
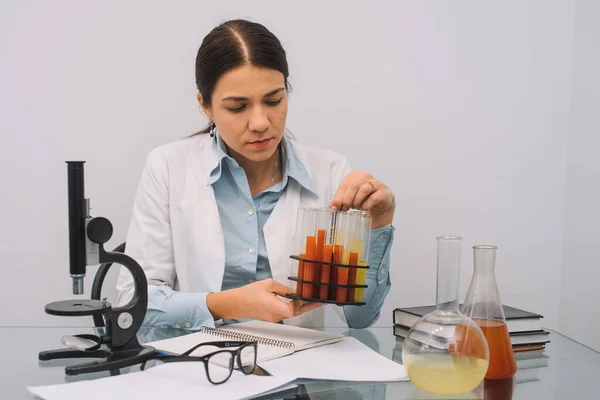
295 168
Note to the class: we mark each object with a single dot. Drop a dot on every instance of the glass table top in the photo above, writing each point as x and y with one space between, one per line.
570 371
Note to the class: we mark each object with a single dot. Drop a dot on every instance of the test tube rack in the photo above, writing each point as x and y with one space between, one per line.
330 260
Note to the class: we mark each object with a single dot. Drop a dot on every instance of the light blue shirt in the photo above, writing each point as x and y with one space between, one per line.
246 260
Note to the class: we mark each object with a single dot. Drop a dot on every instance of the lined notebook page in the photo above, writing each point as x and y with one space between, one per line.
276 340
301 338
180 344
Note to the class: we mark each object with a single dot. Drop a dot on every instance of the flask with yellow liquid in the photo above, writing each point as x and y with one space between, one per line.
446 352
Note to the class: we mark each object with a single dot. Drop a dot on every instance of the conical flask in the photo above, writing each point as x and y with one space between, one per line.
483 305
444 351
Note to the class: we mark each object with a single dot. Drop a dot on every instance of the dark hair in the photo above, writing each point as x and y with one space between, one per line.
232 44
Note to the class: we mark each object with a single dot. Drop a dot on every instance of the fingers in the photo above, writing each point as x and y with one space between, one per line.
349 195
278 309
365 190
306 307
279 288
339 195
284 310
260 300
354 191
298 307
382 199
355 195
372 201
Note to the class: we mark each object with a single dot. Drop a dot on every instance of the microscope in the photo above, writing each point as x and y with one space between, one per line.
117 346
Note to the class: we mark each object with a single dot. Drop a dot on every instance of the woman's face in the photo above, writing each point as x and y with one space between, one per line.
249 108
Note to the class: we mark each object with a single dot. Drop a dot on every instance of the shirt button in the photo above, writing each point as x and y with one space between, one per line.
188 324
177 326
251 250
251 211
382 271
250 280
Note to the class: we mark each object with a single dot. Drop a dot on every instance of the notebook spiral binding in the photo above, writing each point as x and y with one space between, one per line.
245 337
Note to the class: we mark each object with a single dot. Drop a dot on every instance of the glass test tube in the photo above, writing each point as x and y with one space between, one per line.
364 233
312 217
340 255
336 255
325 235
299 249
354 249
325 250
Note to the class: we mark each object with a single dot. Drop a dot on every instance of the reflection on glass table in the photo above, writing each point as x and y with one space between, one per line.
572 370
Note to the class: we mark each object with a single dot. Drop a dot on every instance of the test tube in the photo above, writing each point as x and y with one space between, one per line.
340 255
299 249
338 250
363 258
312 217
354 248
325 249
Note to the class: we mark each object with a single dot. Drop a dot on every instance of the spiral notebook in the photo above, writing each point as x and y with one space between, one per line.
274 340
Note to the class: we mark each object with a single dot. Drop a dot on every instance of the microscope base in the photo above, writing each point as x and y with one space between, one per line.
71 353
113 360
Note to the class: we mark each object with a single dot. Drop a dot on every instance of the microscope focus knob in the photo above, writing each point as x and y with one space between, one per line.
99 230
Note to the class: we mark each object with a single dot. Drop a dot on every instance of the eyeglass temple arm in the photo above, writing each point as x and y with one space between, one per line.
173 359
216 344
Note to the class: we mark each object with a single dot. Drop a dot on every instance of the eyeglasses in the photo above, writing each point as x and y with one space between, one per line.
218 364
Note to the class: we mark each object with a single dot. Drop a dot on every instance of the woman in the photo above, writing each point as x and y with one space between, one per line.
214 215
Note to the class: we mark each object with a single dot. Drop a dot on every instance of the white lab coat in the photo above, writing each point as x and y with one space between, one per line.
175 231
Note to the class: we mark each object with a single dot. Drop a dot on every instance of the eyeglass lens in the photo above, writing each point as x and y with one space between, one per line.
248 358
219 366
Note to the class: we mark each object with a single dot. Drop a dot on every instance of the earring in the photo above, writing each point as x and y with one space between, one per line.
212 128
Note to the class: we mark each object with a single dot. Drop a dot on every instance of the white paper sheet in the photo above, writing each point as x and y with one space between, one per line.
167 381
349 360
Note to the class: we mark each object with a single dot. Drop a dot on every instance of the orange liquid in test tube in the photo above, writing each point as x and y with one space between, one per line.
300 275
352 276
309 268
338 251
341 279
320 244
325 271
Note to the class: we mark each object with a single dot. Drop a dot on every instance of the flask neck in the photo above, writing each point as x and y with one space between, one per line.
483 297
485 261
448 268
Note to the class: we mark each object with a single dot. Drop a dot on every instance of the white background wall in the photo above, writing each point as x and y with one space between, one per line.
580 298
462 108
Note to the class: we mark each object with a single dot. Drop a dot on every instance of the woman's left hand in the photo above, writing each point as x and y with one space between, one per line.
361 190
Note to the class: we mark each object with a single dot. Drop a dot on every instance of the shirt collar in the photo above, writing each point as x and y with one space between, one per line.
221 149
292 165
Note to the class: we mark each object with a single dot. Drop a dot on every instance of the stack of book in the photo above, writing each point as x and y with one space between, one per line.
528 338
529 364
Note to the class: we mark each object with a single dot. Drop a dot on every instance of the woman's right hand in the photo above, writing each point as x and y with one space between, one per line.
258 300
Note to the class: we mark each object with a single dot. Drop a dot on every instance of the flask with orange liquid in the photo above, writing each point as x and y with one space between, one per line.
483 305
